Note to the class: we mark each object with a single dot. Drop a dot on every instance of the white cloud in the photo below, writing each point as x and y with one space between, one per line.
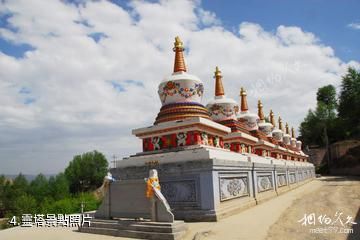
355 25
71 76
208 18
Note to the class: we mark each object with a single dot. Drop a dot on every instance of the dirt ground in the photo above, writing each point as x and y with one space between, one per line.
274 219
336 195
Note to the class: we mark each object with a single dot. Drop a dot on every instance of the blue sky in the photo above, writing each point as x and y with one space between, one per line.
82 78
328 20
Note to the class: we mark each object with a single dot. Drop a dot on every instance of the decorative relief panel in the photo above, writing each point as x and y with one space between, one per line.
264 183
233 187
300 175
281 178
179 191
292 178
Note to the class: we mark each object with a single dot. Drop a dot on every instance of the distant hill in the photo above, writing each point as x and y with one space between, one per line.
28 177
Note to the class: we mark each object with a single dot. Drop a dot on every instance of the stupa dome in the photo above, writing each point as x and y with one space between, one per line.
286 136
181 93
298 145
222 108
250 119
181 87
277 133
264 126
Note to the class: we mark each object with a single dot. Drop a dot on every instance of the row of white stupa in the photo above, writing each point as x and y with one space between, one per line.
182 87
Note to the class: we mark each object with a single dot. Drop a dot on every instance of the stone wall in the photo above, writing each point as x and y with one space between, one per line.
209 189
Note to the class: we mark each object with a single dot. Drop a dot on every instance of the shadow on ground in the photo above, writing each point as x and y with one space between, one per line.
339 178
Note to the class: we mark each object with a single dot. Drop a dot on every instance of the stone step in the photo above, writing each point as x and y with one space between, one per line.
151 228
130 222
178 227
102 231
137 229
111 225
150 235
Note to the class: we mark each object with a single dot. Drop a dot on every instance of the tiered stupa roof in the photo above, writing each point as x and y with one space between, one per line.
222 108
264 126
245 115
181 93
286 136
184 122
276 132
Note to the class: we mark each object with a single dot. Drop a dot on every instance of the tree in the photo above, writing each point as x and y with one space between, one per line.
349 103
39 188
26 203
86 172
310 129
327 96
318 124
13 191
59 187
2 195
326 103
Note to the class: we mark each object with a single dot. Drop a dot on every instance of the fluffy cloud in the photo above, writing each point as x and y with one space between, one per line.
354 25
93 69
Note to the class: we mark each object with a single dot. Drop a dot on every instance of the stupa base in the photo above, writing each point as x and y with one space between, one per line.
206 184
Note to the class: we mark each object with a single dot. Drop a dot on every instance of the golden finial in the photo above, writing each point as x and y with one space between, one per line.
179 63
217 72
244 105
219 88
178 43
260 111
287 128
292 132
272 119
242 92
280 124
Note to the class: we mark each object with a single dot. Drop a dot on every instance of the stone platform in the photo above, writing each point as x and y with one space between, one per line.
137 229
204 183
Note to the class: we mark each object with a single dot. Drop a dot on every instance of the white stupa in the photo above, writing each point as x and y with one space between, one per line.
264 126
250 119
221 108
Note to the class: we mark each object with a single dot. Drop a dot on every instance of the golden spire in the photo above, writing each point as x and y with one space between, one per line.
280 124
179 63
272 118
219 89
287 128
260 111
292 132
244 105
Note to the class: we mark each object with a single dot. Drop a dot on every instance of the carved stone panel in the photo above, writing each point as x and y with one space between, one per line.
292 178
264 183
233 187
177 192
300 175
281 179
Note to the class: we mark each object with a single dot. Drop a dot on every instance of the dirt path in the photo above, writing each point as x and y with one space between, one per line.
253 223
337 195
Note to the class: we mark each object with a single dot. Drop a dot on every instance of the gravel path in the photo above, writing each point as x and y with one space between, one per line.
336 195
